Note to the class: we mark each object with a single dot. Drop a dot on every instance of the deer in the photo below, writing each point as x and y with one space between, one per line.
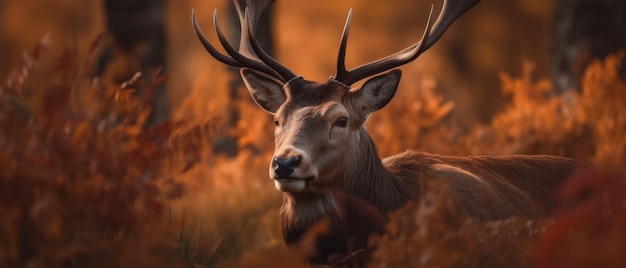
326 164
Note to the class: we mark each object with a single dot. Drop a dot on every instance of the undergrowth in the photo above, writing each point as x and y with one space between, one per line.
435 233
86 182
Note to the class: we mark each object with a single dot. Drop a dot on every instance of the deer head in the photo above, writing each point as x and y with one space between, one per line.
319 126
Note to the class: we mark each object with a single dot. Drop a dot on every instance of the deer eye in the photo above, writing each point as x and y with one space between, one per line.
341 122
276 123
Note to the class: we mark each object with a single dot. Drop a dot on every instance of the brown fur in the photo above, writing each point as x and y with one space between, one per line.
486 188
327 165
343 161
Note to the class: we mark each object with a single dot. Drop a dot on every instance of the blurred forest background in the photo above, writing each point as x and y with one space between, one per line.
495 37
102 167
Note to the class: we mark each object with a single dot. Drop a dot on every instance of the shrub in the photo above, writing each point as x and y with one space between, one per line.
84 181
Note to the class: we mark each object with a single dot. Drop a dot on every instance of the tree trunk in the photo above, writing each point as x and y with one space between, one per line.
136 42
585 30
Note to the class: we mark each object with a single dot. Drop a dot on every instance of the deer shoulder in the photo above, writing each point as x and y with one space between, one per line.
488 187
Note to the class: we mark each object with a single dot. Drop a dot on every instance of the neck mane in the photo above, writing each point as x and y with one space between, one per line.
367 178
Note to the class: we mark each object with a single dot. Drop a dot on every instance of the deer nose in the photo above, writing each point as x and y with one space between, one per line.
284 167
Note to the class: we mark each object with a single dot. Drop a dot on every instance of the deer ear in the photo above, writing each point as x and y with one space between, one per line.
379 90
266 91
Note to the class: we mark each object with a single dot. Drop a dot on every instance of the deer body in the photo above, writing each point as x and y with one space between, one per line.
488 188
327 165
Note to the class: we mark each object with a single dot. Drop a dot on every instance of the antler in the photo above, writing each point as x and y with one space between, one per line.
450 11
250 53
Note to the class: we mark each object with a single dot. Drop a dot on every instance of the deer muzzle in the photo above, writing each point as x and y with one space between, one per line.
291 170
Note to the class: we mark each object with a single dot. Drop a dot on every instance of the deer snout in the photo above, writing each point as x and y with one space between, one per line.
292 169
284 167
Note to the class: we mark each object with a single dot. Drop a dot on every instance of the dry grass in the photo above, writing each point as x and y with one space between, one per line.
435 233
86 183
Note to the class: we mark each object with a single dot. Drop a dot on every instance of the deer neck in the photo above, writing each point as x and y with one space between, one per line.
367 178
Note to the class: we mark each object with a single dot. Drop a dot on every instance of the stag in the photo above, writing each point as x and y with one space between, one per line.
326 164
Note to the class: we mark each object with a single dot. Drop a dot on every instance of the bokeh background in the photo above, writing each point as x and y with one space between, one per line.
495 36
509 77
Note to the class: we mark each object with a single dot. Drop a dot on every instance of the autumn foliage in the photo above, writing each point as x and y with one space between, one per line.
86 182
592 216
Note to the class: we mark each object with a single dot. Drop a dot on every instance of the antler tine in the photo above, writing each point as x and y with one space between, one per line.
258 7
246 56
284 72
450 11
250 62
341 58
209 48
399 58
235 59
